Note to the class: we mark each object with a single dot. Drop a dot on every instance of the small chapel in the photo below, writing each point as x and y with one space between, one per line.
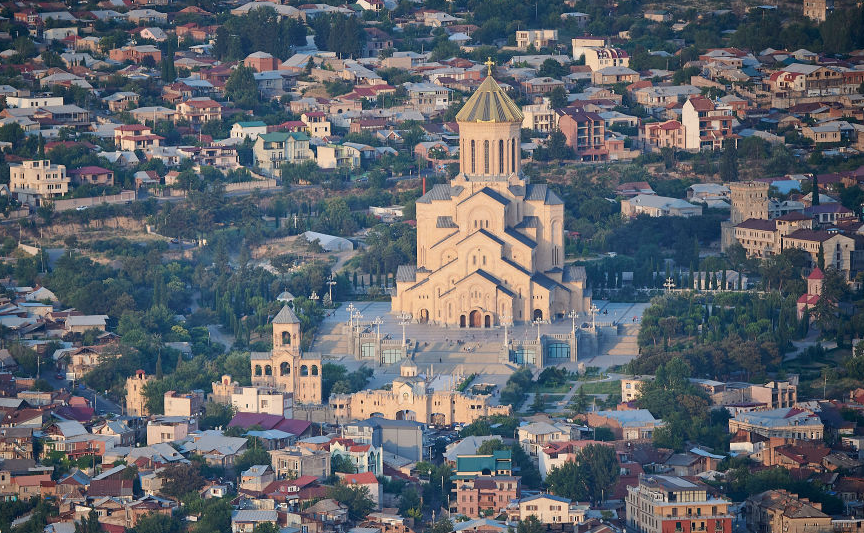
490 244
286 368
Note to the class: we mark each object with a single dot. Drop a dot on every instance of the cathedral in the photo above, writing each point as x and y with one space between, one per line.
286 368
490 245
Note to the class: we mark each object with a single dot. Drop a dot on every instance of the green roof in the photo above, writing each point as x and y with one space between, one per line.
252 124
478 463
282 136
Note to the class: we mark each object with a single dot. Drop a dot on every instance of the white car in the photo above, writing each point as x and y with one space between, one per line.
81 208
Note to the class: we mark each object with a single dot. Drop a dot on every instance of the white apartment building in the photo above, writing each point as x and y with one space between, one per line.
262 400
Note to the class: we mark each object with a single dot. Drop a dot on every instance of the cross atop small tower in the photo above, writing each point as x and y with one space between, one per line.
489 63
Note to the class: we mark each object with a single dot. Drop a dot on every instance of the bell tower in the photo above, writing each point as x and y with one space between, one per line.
286 332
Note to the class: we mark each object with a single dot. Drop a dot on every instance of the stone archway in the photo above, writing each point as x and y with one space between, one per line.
475 319
424 316
487 321
538 314
461 321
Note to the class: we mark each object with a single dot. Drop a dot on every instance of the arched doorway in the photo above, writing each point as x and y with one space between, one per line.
424 316
538 314
461 321
475 318
487 321
438 419
406 414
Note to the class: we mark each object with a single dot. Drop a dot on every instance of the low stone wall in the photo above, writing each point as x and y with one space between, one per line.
251 185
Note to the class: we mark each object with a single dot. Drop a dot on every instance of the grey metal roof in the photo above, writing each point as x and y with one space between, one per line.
491 193
524 239
574 273
546 282
406 273
445 222
529 221
286 316
440 191
537 192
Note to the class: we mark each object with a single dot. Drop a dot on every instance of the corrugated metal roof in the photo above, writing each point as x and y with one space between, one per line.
490 103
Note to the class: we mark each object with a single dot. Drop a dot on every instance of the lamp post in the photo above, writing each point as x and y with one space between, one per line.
330 283
670 284
537 323
351 310
357 316
378 321
506 321
594 310
572 315
314 296
404 320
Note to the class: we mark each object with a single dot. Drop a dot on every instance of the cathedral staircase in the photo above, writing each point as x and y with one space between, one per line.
625 343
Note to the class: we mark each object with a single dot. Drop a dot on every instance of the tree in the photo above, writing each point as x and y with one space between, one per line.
242 88
181 479
341 463
588 477
729 162
169 72
251 457
159 523
814 190
551 68
557 96
539 403
266 527
820 257
89 524
530 525
355 497
442 525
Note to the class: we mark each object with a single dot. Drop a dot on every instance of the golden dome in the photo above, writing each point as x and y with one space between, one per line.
490 103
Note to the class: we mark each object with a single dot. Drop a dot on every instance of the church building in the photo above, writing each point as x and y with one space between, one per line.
490 245
286 368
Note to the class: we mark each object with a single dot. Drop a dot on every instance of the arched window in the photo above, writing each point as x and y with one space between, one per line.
486 157
304 370
286 338
257 370
501 156
284 369
314 370
268 370
513 155
473 157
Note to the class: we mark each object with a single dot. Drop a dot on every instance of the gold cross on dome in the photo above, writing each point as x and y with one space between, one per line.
489 63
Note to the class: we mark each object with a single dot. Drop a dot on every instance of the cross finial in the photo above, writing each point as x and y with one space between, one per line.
489 63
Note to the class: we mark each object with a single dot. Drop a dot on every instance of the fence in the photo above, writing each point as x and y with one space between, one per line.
73 203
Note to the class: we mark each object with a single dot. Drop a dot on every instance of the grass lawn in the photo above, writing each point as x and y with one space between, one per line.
601 387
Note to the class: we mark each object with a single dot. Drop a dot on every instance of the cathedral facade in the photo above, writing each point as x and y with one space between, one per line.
490 245
287 368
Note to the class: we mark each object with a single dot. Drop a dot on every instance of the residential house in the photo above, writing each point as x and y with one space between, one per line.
706 125
548 509
297 461
536 38
600 58
316 123
338 156
92 175
33 180
787 422
628 425
136 54
537 435
272 150
136 137
198 111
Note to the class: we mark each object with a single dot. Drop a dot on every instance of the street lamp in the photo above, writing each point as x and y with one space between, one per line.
404 320
670 284
594 310
351 310
330 283
506 321
378 321
537 323
572 315
357 316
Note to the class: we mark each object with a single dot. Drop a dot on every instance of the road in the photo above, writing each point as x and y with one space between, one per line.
99 402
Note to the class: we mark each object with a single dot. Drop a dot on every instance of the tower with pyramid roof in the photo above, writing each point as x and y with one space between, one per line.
287 368
490 244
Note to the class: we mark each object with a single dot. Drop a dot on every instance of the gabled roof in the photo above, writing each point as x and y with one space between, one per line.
286 316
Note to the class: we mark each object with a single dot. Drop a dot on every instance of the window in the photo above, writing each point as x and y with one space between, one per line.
486 157
513 155
473 158
501 157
